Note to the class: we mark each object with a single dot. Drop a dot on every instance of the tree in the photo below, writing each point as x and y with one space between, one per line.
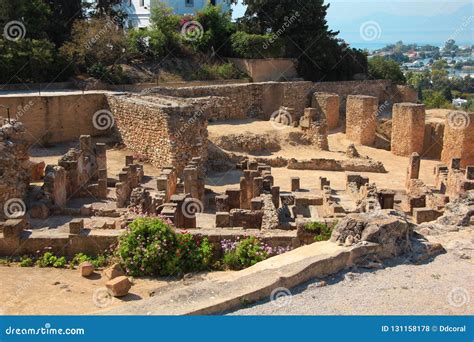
382 68
303 28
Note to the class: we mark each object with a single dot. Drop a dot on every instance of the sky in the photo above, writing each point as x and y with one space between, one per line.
423 21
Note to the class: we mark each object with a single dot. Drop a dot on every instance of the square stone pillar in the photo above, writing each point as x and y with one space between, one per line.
458 139
413 171
276 196
408 129
233 198
295 183
361 119
327 106
101 157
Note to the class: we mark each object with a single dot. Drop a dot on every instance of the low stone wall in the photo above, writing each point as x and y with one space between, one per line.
52 118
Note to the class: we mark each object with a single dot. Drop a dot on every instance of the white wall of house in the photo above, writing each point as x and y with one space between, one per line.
139 10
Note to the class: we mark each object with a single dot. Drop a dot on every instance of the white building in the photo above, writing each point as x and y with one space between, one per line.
458 103
139 11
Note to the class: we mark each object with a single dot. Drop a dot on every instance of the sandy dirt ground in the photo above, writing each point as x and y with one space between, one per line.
443 286
50 291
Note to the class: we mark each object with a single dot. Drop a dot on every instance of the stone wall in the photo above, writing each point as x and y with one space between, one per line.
268 69
55 117
168 133
383 90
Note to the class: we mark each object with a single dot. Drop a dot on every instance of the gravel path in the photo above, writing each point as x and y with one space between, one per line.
442 286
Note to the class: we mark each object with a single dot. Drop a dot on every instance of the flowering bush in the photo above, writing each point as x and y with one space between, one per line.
151 247
247 252
322 230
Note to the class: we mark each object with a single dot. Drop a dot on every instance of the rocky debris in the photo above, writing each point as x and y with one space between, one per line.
352 152
86 269
119 286
457 215
113 271
388 228
248 142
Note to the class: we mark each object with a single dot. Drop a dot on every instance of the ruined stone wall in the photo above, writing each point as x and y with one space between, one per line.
459 138
248 100
168 134
55 118
14 177
433 140
383 90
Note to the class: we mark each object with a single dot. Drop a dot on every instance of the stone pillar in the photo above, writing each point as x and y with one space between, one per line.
181 211
257 186
222 203
408 128
386 199
233 198
470 172
455 164
276 196
458 139
361 119
244 204
256 203
327 106
222 219
101 157
85 144
295 183
189 219
413 171
323 181
128 160
190 175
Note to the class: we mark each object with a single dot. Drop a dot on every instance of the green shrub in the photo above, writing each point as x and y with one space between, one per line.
26 262
50 260
247 45
322 230
149 42
79 258
247 253
435 99
216 71
148 248
151 247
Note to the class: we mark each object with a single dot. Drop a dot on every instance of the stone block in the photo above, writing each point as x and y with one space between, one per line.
76 226
421 215
113 271
295 183
222 219
119 286
361 119
12 228
86 269
408 129
327 106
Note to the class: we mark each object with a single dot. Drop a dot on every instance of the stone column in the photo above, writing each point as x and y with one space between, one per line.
101 157
361 119
458 139
233 198
413 171
276 196
408 128
327 106
295 183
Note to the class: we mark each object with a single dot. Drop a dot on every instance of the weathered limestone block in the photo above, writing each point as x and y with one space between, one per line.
421 215
327 106
222 203
389 228
55 184
256 203
113 271
408 129
12 228
233 199
86 269
275 191
361 119
247 219
295 183
459 138
222 219
119 287
76 226
413 171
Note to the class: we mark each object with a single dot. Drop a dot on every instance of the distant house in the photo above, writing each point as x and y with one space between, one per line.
138 11
458 103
